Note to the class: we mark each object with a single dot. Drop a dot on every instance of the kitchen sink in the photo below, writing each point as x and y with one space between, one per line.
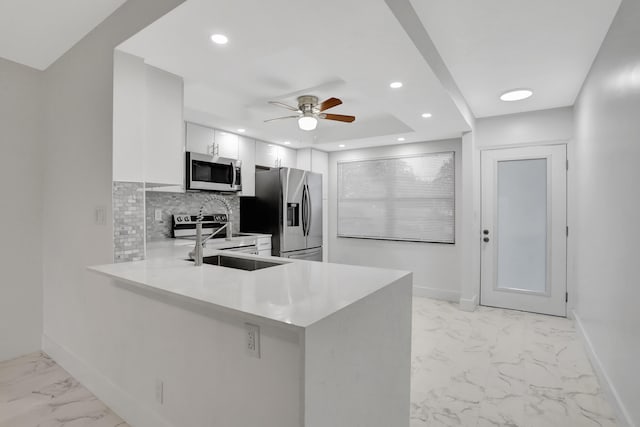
247 264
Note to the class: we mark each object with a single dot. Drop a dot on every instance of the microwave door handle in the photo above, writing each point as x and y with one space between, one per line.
232 173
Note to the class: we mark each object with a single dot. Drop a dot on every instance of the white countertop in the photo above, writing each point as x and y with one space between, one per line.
297 293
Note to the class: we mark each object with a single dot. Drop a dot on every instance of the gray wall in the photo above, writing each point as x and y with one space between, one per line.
606 242
435 266
21 212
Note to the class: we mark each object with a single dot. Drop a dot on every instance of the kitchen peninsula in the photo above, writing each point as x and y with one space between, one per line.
333 342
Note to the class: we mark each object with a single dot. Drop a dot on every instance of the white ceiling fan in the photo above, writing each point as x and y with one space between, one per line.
309 111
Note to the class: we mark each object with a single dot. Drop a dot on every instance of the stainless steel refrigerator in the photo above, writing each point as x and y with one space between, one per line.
287 205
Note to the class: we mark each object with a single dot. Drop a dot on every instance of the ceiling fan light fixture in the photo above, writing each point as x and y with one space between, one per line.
307 122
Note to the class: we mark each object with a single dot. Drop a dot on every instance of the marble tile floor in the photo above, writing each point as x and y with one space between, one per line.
37 392
491 367
497 367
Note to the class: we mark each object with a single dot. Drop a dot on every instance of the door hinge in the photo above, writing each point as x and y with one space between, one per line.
566 297
567 231
567 164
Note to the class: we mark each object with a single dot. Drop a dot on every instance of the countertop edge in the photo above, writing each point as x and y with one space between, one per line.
196 302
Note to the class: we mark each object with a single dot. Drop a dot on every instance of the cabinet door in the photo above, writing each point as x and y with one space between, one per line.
247 151
164 141
266 154
200 139
288 157
226 144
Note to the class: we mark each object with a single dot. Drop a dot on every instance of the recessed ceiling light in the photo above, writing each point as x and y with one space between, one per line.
269 145
242 130
401 139
427 115
341 145
287 143
395 85
219 39
516 95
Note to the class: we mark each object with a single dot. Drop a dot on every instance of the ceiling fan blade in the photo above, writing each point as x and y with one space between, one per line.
338 117
280 118
329 103
283 105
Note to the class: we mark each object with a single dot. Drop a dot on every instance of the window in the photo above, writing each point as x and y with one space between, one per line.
408 198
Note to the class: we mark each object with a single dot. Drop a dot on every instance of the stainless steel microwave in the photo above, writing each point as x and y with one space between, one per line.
205 172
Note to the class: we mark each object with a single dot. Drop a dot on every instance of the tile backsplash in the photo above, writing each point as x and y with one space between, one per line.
128 221
182 203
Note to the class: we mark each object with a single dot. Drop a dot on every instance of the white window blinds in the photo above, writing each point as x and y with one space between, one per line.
403 198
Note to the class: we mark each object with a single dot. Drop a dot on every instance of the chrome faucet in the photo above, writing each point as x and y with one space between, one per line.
197 253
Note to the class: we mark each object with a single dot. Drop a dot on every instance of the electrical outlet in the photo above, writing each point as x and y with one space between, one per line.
253 340
158 215
159 391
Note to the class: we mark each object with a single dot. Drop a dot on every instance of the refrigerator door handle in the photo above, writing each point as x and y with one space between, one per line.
304 210
308 210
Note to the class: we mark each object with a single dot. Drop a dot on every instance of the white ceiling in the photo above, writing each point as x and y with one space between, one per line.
280 49
37 32
491 46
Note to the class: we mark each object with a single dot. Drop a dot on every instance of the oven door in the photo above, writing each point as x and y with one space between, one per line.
205 174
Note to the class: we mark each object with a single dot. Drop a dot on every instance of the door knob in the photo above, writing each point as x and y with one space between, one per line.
486 239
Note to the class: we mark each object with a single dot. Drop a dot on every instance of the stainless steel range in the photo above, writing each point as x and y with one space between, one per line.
184 227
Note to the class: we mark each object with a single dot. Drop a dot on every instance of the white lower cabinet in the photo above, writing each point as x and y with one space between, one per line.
264 246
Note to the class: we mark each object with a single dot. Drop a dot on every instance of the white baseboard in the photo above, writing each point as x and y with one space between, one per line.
624 418
121 402
439 294
468 304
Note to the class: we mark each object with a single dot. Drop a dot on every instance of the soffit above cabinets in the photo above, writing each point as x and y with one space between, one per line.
281 49
37 32
492 46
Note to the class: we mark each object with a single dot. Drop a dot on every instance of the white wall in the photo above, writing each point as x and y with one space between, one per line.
21 214
78 124
607 267
435 266
533 127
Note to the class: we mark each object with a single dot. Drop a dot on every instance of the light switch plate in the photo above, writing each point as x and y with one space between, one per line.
100 215
158 215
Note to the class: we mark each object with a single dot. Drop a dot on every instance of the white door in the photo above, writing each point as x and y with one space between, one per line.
524 229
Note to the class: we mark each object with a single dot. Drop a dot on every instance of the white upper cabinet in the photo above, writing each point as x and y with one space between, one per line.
272 156
164 130
288 157
129 106
247 151
226 144
148 126
214 142
200 139
266 154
